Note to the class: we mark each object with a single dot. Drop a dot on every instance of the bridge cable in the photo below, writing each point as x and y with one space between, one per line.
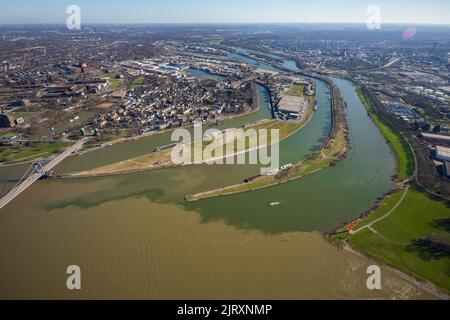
20 181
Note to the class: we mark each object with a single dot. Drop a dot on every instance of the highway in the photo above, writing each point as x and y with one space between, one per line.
16 191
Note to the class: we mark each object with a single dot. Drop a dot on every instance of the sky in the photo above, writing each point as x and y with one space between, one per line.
225 11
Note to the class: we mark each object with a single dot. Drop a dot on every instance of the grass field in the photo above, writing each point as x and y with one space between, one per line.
388 203
28 115
412 220
8 135
398 144
138 82
37 150
214 41
297 90
114 83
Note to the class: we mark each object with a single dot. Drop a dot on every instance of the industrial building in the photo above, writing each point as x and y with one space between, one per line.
442 153
435 137
293 106
441 157
443 168
447 169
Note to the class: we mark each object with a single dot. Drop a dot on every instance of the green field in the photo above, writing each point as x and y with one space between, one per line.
7 135
211 40
398 144
37 150
412 220
138 82
215 41
297 90
114 83
28 115
388 203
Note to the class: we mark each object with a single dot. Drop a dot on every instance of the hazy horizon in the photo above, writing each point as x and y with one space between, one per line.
223 23
433 12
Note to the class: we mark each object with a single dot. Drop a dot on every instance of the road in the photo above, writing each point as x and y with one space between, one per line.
391 63
36 176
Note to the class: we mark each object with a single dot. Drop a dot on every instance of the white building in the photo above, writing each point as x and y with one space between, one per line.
442 153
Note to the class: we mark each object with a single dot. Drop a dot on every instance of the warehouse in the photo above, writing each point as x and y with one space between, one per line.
447 169
292 105
435 137
442 153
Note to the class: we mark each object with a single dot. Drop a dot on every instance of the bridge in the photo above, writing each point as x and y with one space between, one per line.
39 172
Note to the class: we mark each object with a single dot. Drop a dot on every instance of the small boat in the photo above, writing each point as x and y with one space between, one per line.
315 106
273 204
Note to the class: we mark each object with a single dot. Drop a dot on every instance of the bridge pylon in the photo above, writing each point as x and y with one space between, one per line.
39 168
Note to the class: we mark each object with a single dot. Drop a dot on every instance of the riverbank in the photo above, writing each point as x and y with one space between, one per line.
402 229
334 150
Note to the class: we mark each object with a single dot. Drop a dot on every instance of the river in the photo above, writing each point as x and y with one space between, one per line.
134 236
